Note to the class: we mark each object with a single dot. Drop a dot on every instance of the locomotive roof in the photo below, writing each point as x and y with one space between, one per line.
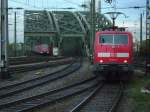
114 32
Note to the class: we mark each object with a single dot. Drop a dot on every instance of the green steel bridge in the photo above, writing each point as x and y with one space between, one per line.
69 31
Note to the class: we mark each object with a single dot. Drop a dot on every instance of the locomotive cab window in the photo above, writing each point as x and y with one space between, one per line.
113 39
106 39
120 39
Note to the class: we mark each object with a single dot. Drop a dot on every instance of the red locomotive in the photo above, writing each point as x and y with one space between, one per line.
42 49
113 53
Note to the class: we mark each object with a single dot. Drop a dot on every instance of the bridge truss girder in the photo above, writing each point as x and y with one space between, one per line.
62 24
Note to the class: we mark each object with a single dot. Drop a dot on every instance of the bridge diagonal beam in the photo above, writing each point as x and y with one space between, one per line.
84 21
68 23
80 23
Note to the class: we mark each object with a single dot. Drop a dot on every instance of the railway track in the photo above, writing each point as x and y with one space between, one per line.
34 66
29 84
32 59
52 96
142 67
140 63
104 98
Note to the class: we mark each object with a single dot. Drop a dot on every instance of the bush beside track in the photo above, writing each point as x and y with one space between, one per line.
139 100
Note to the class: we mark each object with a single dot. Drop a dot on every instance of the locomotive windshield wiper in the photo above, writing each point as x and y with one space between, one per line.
113 45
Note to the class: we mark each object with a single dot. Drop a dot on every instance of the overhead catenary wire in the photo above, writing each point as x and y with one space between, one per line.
26 4
132 7
74 3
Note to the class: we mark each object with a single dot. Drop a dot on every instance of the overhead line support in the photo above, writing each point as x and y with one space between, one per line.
4 73
93 22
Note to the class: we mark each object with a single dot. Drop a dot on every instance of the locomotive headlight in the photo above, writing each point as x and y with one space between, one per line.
125 61
101 61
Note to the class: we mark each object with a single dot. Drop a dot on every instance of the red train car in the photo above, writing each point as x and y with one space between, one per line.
42 49
113 52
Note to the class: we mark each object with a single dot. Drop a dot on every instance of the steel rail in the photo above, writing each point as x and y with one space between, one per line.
50 97
19 83
34 66
25 60
76 108
117 98
114 103
19 87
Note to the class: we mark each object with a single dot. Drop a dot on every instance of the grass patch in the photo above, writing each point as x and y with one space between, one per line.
140 101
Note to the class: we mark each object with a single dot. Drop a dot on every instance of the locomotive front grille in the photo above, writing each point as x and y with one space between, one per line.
114 67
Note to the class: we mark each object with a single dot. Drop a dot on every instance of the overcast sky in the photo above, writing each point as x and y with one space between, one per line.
132 21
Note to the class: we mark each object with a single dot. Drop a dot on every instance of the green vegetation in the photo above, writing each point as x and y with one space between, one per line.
19 49
140 101
144 50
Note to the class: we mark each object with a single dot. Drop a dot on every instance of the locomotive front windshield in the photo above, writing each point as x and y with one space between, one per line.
44 45
113 39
